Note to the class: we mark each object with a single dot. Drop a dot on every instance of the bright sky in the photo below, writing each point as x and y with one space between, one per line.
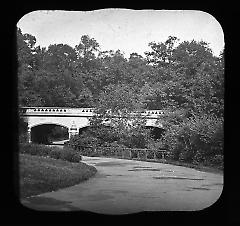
124 29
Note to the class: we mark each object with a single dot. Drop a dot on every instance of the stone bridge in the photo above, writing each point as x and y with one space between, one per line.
73 119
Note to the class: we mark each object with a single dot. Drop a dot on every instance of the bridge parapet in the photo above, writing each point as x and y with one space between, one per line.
88 112
153 112
56 111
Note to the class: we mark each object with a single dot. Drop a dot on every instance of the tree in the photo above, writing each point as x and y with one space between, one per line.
189 56
189 76
26 67
140 72
162 53
113 68
120 107
59 57
25 47
86 51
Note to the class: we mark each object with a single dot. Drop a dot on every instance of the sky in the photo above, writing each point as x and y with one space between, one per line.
124 29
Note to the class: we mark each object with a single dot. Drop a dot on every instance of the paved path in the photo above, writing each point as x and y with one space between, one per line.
127 186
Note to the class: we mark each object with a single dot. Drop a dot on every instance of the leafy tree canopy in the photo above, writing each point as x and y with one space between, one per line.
172 75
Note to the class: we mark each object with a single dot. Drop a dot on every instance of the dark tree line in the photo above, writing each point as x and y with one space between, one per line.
184 79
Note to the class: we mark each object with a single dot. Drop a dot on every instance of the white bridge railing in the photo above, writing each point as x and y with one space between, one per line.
54 110
28 111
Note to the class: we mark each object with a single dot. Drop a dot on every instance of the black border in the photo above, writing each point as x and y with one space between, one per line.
13 212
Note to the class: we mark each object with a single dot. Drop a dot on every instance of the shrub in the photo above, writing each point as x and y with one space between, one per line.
112 149
55 154
89 151
136 139
126 153
106 149
216 160
155 144
34 149
22 138
196 140
80 142
67 153
70 155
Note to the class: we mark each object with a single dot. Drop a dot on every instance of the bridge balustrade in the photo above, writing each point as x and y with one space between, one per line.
55 110
81 111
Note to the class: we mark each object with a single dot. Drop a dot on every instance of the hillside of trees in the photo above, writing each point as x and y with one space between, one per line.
182 78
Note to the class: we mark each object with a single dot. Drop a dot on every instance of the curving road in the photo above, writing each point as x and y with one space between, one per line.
127 186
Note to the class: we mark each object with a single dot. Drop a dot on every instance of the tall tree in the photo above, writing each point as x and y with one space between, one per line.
26 68
87 51
59 57
162 53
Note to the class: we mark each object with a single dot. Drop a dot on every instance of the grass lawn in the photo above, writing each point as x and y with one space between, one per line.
40 174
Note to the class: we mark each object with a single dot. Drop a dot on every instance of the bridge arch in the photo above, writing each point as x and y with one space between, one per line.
47 132
156 131
86 127
82 129
49 123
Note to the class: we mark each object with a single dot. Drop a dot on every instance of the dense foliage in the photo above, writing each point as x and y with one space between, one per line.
198 139
184 79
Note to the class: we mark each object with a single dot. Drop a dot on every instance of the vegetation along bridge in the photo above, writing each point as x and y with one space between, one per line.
74 119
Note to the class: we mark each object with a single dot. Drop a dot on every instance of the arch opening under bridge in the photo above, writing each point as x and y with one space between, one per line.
156 132
48 133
